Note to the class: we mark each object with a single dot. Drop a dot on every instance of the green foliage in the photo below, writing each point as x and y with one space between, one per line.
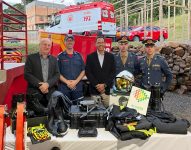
132 18
29 1
10 11
25 2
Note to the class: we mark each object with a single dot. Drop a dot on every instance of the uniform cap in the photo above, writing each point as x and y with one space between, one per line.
149 42
69 36
123 39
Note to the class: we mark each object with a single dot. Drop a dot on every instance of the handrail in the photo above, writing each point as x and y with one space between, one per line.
11 26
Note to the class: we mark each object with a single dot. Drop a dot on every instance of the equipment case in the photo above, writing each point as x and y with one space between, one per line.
98 114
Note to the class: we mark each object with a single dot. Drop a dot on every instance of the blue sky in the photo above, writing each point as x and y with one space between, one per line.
66 2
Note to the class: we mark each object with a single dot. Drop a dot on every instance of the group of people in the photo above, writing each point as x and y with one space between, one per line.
45 73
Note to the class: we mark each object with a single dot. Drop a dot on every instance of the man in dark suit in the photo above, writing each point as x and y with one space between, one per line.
41 72
100 71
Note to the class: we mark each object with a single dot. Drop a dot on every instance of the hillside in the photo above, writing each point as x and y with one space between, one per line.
181 27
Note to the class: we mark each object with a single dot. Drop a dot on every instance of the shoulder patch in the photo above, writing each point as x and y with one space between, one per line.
60 54
76 52
160 56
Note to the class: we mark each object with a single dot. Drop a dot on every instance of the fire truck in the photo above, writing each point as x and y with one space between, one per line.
94 16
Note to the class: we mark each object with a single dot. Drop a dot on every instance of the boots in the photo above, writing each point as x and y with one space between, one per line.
157 105
56 128
50 125
62 126
156 98
34 104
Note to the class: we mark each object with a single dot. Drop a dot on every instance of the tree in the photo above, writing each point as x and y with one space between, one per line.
155 11
25 2
10 11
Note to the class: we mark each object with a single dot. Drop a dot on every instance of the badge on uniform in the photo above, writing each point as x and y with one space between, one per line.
155 66
64 60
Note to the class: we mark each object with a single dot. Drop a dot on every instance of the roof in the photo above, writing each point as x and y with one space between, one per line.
85 6
47 4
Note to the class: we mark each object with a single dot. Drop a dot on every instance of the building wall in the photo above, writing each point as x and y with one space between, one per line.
39 16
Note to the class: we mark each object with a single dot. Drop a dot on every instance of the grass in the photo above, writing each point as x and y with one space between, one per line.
181 32
32 48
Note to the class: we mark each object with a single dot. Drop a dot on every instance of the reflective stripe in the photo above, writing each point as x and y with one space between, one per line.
148 132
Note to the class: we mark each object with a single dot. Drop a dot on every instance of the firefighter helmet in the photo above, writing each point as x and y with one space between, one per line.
124 81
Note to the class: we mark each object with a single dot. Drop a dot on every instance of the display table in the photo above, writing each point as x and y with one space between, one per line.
158 142
105 140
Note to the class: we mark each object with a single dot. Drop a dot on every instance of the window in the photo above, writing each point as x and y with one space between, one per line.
148 28
156 28
111 14
57 20
41 18
105 13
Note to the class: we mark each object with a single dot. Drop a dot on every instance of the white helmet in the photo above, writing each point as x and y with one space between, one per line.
124 81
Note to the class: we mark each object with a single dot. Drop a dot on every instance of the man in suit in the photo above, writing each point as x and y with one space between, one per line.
41 72
100 71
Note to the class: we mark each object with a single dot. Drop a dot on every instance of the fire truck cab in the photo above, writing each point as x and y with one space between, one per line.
95 16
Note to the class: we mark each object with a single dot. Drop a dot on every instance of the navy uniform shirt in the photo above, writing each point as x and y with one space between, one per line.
70 68
131 64
153 74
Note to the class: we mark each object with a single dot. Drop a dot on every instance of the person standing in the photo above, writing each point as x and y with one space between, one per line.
125 60
100 71
72 70
153 68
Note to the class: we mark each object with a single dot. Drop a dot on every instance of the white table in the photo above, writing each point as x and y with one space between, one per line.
105 140
158 142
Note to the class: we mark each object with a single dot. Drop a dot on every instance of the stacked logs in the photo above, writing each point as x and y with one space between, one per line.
178 57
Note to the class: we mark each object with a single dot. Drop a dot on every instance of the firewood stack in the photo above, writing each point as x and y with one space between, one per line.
178 57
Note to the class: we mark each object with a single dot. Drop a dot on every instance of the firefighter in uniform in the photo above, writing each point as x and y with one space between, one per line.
72 70
125 60
152 68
